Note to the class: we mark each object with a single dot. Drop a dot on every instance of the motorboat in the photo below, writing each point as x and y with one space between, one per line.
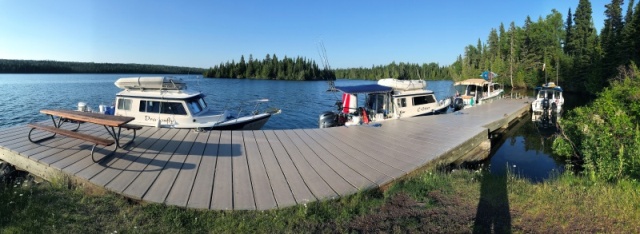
548 104
472 92
388 99
167 102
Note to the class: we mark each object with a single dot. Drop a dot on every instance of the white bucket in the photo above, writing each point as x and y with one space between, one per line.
82 106
102 108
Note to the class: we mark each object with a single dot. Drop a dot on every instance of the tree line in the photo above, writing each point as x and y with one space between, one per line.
271 68
430 71
46 66
569 51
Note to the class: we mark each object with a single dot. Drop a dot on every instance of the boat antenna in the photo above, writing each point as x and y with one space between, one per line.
322 51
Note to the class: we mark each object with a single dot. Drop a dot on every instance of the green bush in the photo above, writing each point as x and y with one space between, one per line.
605 135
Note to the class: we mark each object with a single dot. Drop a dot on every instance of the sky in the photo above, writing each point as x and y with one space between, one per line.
206 33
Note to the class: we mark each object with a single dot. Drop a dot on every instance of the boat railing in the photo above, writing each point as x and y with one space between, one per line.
256 110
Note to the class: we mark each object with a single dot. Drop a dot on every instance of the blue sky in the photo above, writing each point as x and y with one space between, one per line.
206 33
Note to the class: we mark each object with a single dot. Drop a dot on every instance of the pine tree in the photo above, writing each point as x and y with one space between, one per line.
584 42
632 33
568 47
611 38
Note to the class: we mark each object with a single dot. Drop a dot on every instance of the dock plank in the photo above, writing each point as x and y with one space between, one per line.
91 169
163 183
301 193
386 170
141 184
313 160
200 196
262 191
370 173
242 185
182 187
311 177
348 175
397 160
279 184
123 161
222 196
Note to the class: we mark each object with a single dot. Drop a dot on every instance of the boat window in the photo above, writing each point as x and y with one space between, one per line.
196 104
402 102
461 90
174 108
202 103
375 102
124 104
422 100
149 106
541 94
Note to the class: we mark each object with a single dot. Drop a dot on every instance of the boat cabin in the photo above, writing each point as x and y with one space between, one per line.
164 102
477 91
382 102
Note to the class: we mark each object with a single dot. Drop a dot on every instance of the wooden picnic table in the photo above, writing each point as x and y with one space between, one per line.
110 123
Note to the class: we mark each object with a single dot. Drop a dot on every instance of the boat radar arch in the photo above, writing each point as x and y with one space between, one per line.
157 83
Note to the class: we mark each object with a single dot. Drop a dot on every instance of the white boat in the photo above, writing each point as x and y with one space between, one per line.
548 104
167 102
386 100
473 92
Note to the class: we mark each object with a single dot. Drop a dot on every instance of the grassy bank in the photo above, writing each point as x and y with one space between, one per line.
461 201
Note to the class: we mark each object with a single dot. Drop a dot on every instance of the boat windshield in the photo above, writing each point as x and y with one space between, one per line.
461 89
196 104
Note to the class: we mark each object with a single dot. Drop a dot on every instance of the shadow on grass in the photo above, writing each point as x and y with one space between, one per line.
493 215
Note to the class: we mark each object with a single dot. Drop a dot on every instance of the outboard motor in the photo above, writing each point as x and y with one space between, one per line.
545 104
458 104
545 113
327 119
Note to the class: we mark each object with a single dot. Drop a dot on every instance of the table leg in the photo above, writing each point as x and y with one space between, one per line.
116 136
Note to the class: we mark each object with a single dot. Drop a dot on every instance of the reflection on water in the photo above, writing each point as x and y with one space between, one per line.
526 151
526 148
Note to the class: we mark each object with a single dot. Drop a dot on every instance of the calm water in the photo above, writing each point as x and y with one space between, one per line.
523 149
526 150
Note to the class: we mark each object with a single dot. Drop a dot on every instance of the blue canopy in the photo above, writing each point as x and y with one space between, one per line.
556 88
372 88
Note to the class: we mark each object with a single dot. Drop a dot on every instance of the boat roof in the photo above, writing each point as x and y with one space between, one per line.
371 88
555 88
412 92
159 94
472 82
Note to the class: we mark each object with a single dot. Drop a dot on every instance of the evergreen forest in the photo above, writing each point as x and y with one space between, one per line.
567 49
46 66
430 71
271 68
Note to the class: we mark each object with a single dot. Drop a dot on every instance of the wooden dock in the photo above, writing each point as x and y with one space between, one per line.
264 169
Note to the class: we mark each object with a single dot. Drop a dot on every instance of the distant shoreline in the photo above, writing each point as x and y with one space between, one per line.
11 66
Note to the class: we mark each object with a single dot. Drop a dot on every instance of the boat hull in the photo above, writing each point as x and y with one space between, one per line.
255 122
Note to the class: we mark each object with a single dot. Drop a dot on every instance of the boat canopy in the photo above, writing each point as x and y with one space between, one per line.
478 82
556 88
372 88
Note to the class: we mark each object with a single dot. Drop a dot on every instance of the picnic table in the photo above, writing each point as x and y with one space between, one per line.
113 125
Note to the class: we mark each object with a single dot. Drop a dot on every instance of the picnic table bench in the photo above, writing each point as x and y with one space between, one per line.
109 122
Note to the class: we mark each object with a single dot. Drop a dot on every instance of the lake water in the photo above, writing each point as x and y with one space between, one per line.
523 148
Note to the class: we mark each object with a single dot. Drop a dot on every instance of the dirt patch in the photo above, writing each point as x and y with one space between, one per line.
442 214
